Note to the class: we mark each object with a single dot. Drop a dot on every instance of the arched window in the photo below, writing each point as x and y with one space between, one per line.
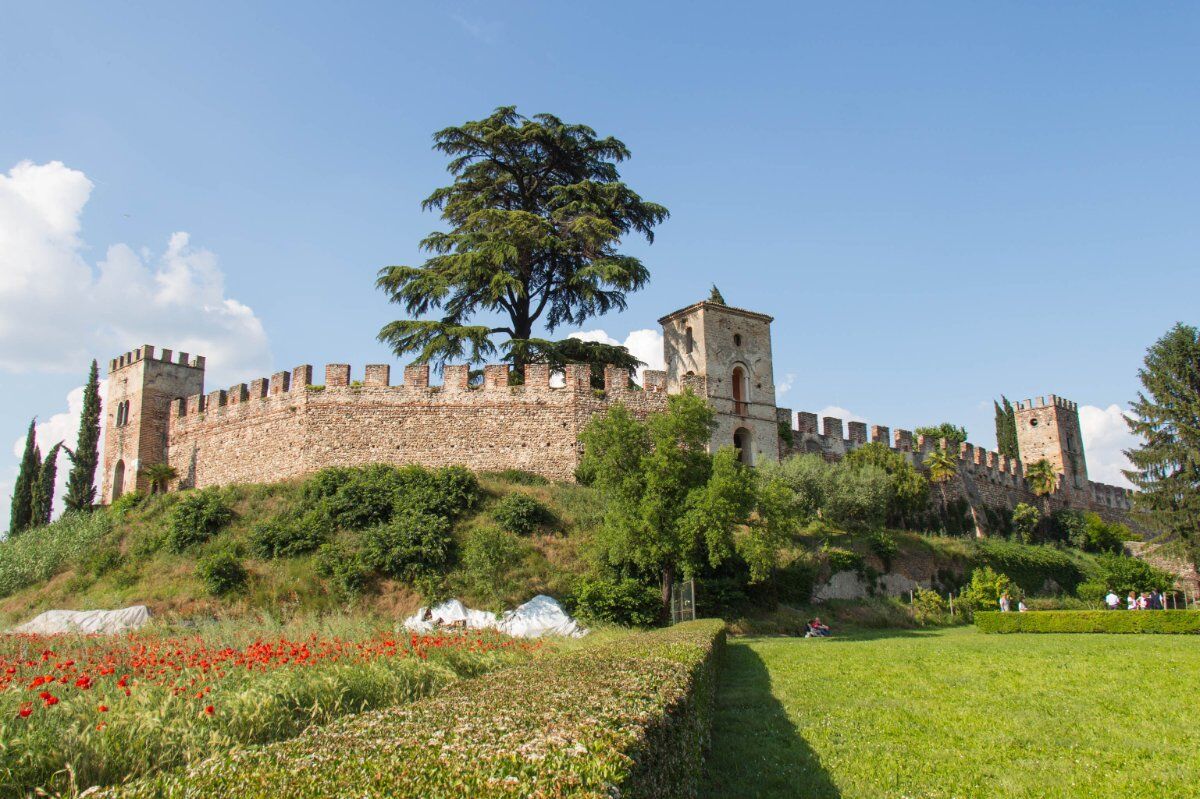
743 444
741 392
688 341
118 480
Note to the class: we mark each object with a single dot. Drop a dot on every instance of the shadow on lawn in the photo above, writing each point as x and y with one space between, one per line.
757 752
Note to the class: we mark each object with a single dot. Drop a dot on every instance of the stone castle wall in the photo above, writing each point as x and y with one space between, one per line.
984 477
284 426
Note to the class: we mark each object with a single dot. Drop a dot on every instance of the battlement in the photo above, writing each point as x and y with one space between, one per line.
540 382
1046 402
146 353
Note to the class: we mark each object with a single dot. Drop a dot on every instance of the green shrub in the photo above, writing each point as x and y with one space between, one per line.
125 503
1030 567
885 547
489 558
1025 520
1102 536
222 572
637 714
794 581
617 600
1185 622
984 591
1093 590
520 513
196 518
929 607
289 535
857 498
1124 574
343 565
409 546
355 499
839 559
519 477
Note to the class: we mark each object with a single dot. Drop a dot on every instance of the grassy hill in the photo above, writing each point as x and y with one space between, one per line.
377 540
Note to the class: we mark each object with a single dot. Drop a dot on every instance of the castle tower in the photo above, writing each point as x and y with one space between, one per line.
1049 428
136 413
724 354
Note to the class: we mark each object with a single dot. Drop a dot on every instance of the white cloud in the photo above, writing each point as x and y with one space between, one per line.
785 385
57 311
486 31
839 413
1105 437
645 345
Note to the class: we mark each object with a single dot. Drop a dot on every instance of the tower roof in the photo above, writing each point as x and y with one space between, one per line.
716 306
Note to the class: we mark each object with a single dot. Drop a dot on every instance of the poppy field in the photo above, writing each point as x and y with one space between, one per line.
79 711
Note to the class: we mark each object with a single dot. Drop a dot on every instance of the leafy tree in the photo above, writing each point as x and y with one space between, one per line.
669 505
1025 519
1166 415
159 475
81 482
715 296
909 494
1006 428
21 514
41 504
536 212
942 469
953 434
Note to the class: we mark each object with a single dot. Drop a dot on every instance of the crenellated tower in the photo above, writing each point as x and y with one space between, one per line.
724 354
1049 428
141 388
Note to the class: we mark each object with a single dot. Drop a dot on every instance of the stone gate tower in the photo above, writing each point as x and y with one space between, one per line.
136 412
1049 428
724 354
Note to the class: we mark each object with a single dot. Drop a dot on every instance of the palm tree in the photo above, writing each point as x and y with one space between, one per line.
942 469
1043 480
159 475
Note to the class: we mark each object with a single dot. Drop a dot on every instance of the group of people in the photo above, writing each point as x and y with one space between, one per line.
817 629
1146 600
1006 603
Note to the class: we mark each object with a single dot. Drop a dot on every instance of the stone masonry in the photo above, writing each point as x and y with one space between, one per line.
289 424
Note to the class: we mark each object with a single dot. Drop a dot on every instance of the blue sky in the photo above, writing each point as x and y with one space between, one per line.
939 202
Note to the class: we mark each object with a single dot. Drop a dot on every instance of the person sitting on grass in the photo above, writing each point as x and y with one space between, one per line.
817 629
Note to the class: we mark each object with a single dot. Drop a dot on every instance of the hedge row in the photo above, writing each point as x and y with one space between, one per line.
1090 621
629 718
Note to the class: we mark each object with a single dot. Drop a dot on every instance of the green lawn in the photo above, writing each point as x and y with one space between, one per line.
955 713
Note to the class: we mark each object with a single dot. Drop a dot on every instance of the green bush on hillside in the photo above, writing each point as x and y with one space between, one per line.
489 558
196 518
345 566
358 498
1030 567
518 477
222 572
839 559
1177 622
1124 574
520 513
289 535
984 591
409 547
617 600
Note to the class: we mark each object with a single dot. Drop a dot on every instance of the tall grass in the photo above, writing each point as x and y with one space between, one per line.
35 556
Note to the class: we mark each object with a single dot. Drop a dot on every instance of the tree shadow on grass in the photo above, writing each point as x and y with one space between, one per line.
757 752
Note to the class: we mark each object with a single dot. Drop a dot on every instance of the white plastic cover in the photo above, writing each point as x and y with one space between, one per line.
539 616
107 622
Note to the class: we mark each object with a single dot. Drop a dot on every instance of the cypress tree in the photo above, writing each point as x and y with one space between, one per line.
22 499
1166 415
42 502
1006 428
81 482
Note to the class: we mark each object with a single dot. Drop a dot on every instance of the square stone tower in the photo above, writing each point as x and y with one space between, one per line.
137 412
724 354
1049 428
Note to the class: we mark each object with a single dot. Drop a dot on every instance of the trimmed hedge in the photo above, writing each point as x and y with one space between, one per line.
629 718
1090 621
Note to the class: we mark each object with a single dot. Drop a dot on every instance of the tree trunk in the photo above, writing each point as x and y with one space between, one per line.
668 578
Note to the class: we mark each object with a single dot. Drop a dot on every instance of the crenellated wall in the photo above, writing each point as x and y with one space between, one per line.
284 426
994 479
